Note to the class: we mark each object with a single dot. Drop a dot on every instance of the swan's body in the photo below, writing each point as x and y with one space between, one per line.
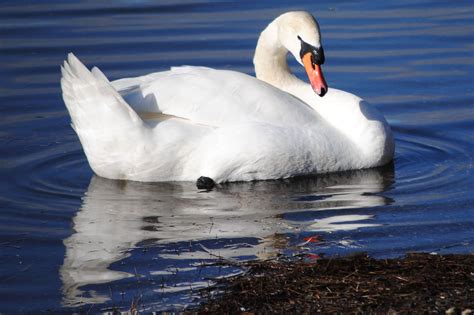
193 121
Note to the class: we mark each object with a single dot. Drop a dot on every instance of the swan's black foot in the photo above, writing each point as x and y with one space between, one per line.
205 183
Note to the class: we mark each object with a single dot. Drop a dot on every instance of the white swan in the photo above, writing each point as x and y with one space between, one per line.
189 122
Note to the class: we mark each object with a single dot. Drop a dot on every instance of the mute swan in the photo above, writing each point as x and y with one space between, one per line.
218 125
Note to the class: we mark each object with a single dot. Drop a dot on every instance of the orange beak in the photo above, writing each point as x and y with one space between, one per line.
315 75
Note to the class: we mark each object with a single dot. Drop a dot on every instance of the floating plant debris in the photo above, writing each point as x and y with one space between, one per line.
418 283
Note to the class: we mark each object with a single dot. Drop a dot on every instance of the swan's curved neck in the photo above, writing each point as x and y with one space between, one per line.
271 66
270 61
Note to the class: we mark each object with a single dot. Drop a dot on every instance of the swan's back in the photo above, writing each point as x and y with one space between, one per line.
214 97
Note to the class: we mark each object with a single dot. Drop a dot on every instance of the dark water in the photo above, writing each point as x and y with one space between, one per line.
72 241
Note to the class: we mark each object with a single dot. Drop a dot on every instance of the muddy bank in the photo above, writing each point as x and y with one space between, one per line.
417 283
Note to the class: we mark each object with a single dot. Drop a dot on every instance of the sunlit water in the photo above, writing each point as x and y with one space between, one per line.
72 241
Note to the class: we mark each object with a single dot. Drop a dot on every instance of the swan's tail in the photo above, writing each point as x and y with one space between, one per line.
104 122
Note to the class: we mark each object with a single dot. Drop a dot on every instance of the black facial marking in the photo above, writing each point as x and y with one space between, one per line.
317 54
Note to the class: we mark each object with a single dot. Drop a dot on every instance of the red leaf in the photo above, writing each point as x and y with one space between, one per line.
313 239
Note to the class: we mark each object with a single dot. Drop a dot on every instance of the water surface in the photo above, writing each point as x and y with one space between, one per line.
72 241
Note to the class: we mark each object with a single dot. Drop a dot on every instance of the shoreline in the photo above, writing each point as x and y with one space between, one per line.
416 283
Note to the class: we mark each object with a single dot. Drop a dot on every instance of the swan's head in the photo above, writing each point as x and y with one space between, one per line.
299 32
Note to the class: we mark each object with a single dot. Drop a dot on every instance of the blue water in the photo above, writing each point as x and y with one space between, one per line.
70 241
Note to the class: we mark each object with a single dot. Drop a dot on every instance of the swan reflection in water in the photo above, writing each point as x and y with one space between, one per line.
119 216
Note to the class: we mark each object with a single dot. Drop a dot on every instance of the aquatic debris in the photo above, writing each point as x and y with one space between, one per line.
418 283
313 239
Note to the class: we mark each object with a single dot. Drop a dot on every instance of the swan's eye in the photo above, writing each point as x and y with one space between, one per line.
317 54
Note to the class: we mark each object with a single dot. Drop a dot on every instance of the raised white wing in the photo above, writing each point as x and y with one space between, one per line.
104 122
214 97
